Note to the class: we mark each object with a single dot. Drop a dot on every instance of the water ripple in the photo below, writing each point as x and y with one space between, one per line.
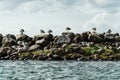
59 70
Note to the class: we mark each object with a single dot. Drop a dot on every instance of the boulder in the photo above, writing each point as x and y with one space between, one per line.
109 38
71 35
11 36
39 37
77 49
84 36
1 37
49 37
42 42
8 42
23 37
117 38
94 38
59 51
73 56
77 38
3 51
62 39
34 47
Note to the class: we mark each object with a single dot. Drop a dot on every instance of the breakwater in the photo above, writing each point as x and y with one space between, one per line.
67 46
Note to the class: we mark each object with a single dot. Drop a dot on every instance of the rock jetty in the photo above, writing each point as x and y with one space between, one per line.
88 45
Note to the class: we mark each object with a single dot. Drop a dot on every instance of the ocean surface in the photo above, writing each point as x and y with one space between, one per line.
59 70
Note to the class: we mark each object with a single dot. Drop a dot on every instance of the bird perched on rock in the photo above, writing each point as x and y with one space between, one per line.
94 29
22 30
68 29
42 31
50 31
109 31
108 34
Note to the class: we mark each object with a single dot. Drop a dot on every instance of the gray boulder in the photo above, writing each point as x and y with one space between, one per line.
84 36
34 47
42 42
117 38
39 37
11 36
23 37
77 38
94 38
47 37
3 51
71 35
1 37
8 42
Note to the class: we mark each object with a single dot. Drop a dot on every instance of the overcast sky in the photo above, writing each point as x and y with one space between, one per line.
80 15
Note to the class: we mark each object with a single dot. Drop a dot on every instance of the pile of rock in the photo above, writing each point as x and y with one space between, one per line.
67 46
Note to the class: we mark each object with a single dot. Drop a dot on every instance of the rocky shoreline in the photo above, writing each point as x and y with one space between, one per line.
67 46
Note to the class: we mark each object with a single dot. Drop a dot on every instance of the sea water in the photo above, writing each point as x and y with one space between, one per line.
59 70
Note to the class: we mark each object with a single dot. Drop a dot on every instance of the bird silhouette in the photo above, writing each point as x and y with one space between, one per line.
42 31
50 31
22 30
94 29
68 28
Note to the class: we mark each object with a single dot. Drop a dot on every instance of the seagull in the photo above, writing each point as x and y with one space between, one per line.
68 28
42 31
109 31
50 31
94 29
22 30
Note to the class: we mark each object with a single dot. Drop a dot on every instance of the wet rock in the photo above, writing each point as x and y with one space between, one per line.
96 57
77 49
50 55
6 57
100 51
59 51
41 57
117 56
56 57
73 56
3 51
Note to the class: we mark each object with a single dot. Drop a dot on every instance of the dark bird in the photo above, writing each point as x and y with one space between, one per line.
50 31
42 31
109 31
94 29
68 28
22 30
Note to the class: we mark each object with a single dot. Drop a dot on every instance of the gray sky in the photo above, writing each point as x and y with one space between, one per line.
80 15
